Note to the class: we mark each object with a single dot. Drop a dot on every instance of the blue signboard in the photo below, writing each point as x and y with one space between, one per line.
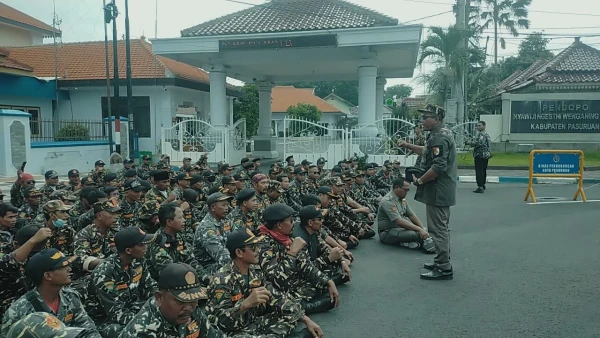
546 163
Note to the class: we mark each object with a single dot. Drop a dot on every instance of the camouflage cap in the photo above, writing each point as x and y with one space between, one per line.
43 325
63 195
334 181
111 205
51 174
275 185
56 205
32 192
149 209
433 109
161 165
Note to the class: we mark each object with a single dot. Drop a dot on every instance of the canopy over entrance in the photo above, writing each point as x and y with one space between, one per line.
298 40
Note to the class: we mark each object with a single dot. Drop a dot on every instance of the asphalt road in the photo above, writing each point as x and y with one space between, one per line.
520 271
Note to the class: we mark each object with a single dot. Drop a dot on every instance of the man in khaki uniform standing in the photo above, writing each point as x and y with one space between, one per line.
436 188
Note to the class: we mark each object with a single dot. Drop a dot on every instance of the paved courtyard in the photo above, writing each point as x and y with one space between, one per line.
520 271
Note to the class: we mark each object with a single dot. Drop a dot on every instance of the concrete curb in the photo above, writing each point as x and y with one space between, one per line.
536 180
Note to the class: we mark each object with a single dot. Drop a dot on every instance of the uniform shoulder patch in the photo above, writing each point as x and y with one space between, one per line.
219 294
110 286
436 151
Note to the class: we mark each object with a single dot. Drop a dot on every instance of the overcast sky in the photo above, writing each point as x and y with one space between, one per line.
81 20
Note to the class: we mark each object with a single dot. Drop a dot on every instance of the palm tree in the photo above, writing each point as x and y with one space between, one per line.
508 14
443 47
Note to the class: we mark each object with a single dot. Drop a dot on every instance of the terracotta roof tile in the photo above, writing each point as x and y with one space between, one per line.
284 97
290 16
10 14
85 61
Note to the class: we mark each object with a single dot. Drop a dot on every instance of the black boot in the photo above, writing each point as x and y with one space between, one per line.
340 279
300 334
369 234
318 304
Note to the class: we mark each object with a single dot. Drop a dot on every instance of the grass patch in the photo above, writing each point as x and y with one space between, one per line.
592 158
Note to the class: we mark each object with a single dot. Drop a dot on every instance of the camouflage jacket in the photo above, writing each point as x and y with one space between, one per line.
338 211
16 196
168 250
121 174
63 240
318 250
143 171
178 192
48 189
76 211
12 280
249 220
70 311
192 218
311 186
129 213
420 140
121 292
156 195
288 199
84 219
98 177
150 323
261 204
209 243
6 240
362 196
72 188
27 214
89 242
298 188
227 291
297 276
481 144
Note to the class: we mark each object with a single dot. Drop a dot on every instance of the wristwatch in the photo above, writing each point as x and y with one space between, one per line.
419 181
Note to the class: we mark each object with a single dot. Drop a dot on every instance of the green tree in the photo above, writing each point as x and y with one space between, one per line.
531 49
507 14
401 91
247 108
305 111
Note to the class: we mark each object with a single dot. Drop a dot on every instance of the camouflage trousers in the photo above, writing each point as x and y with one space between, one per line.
110 330
267 326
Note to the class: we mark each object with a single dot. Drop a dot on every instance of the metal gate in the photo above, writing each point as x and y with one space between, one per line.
378 141
194 138
305 139
463 134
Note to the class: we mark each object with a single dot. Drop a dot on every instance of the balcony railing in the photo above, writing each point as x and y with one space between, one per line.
43 130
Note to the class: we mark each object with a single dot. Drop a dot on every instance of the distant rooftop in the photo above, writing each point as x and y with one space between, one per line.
291 16
11 16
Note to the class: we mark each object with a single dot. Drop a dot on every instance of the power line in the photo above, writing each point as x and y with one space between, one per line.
427 17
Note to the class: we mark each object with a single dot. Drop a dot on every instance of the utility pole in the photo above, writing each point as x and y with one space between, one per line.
117 112
460 76
107 20
129 83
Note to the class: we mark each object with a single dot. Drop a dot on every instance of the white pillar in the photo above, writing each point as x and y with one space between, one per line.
367 97
218 96
380 90
264 108
264 143
230 111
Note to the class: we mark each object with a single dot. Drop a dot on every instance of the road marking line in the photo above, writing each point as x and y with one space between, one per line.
559 202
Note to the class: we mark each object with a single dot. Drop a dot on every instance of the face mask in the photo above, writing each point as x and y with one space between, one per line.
212 178
59 223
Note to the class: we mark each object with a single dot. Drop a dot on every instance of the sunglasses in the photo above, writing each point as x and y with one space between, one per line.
251 247
29 182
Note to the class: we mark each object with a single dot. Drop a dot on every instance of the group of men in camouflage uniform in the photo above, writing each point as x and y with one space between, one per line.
120 254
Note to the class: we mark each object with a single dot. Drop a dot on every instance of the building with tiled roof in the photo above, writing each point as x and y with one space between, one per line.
164 90
553 101
283 97
291 16
20 29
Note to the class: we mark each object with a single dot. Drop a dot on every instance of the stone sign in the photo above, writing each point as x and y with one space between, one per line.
561 117
17 144
329 40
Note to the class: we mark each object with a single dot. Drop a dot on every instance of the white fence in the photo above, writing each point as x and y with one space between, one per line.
308 140
194 138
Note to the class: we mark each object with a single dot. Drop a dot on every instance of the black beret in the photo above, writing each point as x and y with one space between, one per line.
130 173
245 195
110 177
278 212
310 199
161 176
311 212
